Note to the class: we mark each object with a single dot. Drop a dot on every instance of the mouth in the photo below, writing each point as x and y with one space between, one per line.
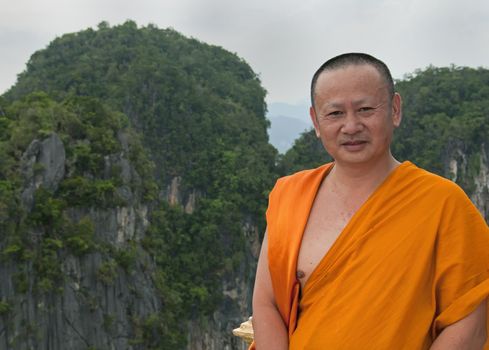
353 143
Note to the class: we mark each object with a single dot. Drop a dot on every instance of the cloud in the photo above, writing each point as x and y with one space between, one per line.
284 41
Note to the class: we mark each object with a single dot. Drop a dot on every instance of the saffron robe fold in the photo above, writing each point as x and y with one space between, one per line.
411 261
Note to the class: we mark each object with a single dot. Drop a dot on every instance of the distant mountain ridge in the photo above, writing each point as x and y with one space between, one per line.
284 131
288 122
298 111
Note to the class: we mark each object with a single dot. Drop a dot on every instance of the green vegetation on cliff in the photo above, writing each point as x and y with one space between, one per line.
306 153
444 109
40 234
189 117
194 103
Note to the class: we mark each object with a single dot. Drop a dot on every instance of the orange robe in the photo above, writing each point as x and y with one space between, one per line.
412 260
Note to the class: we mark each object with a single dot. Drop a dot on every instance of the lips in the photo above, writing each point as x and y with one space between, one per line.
353 143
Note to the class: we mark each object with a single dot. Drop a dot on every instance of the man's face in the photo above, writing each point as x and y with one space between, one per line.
354 115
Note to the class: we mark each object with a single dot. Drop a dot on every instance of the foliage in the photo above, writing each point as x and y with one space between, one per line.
168 85
126 257
175 108
306 153
5 307
90 132
9 206
107 271
80 191
442 106
79 237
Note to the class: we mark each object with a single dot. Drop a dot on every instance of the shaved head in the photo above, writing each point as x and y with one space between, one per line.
352 59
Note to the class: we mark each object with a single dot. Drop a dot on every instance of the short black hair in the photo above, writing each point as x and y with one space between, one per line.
352 59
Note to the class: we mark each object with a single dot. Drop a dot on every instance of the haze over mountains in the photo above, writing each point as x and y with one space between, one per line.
287 123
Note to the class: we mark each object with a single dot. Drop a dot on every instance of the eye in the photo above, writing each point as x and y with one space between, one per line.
365 109
334 114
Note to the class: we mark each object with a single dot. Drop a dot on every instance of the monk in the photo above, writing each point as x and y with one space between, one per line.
367 252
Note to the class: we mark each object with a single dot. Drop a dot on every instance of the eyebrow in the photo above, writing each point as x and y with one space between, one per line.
355 103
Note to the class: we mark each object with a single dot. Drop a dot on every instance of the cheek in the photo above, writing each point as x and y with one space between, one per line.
329 141
384 133
381 125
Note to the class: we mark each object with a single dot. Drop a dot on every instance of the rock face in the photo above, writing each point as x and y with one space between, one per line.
216 333
100 303
43 163
480 195
470 169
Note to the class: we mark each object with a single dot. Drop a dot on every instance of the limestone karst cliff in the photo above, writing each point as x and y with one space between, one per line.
77 299
138 163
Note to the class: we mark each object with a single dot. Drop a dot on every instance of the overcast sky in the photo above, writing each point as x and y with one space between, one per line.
283 40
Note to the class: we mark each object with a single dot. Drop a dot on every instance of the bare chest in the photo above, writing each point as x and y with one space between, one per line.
328 217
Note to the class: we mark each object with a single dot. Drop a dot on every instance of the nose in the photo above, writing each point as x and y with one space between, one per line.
352 124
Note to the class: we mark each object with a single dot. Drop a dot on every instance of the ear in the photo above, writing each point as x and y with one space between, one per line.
314 119
396 110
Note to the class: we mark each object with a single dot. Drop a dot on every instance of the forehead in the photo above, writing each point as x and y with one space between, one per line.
357 81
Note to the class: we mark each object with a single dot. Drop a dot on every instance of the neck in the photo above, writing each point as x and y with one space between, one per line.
362 177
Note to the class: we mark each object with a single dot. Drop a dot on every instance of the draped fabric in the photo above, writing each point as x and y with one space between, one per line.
411 261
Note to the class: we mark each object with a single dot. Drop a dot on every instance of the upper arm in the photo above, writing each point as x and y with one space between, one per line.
269 328
468 333
263 290
461 279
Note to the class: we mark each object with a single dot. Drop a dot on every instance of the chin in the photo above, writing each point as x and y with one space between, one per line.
355 159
